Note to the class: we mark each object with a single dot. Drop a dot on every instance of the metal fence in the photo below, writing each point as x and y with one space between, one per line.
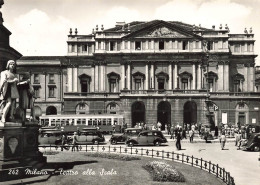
214 169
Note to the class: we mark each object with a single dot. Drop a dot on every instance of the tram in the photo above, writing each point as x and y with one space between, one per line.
104 122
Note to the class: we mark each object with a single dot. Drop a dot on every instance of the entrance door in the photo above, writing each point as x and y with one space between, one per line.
138 112
241 119
164 113
190 112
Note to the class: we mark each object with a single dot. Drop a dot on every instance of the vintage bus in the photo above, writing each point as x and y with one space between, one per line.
70 123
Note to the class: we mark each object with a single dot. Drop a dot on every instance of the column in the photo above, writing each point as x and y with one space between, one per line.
92 85
152 76
170 76
129 76
152 44
252 73
69 79
221 76
75 79
101 77
226 76
199 77
175 75
146 76
123 76
96 78
246 79
193 76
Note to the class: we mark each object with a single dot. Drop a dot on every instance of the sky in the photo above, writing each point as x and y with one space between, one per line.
41 27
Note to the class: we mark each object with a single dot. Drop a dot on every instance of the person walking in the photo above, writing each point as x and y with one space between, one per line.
238 138
178 140
222 140
63 141
191 135
74 142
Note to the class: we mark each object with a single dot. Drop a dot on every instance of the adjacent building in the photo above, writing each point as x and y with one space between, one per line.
165 71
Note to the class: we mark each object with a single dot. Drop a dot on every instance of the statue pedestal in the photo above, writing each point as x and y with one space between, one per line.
19 150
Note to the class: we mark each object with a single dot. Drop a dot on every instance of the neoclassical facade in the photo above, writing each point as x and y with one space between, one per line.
164 71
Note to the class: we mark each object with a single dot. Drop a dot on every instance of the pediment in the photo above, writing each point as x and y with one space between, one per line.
185 75
113 75
162 29
162 75
162 32
239 76
138 75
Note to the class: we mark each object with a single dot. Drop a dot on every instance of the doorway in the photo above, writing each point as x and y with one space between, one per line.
190 112
164 113
138 112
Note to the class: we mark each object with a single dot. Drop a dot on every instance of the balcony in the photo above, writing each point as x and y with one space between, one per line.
91 95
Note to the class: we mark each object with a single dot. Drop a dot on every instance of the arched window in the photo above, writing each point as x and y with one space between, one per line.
242 114
82 108
112 108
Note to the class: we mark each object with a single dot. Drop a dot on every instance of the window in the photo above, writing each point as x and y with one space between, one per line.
237 87
248 47
51 78
185 45
84 47
210 45
197 44
138 84
99 44
112 46
112 85
161 84
51 92
184 84
237 48
36 92
161 45
36 79
137 45
211 85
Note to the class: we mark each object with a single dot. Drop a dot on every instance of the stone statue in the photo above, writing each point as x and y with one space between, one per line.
9 91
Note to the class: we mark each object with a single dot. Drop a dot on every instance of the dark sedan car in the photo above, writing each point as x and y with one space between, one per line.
117 138
151 137
253 143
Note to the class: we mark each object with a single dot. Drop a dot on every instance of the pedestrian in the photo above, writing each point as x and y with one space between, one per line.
222 140
172 132
74 142
178 140
238 138
63 141
159 125
191 135
169 128
78 131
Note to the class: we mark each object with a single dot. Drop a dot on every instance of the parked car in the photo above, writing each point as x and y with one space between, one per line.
253 142
50 137
150 137
121 137
90 136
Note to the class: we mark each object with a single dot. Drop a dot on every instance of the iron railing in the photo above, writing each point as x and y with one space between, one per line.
214 169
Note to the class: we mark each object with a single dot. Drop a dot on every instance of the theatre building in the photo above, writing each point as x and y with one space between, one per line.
164 71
